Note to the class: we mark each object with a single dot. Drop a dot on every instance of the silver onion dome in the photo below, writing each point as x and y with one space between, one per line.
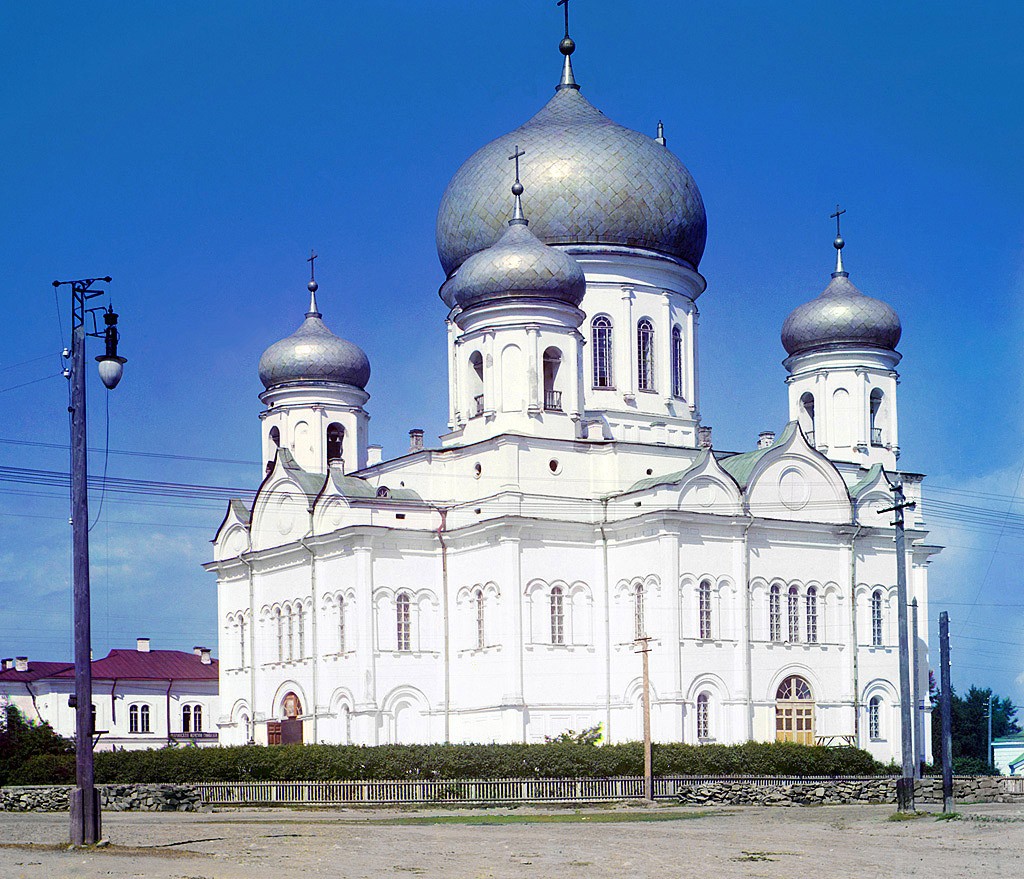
314 354
592 181
519 266
840 316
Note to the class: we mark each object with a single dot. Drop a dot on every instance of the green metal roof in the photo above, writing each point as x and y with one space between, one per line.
240 509
668 478
310 483
866 480
739 467
1016 738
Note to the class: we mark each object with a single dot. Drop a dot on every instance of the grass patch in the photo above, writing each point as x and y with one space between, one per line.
948 816
906 816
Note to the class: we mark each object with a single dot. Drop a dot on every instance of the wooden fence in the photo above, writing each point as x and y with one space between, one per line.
476 790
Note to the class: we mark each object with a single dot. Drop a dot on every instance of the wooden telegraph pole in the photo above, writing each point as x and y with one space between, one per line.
946 712
905 786
644 650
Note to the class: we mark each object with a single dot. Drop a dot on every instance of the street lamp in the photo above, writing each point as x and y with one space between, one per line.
85 803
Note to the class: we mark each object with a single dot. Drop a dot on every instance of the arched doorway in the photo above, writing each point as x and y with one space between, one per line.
794 712
291 726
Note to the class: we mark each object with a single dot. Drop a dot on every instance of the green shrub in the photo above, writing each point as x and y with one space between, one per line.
567 759
21 742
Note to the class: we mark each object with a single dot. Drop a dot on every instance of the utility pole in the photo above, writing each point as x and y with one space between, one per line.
645 649
916 689
991 756
946 712
85 803
905 786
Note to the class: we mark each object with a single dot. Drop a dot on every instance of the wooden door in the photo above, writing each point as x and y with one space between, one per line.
794 712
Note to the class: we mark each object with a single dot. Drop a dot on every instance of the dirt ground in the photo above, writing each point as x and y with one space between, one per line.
615 841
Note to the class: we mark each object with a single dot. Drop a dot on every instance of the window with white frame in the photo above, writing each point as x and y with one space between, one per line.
341 624
645 355
704 608
639 625
876 618
403 620
774 613
704 716
557 599
191 718
811 614
279 622
300 612
481 635
241 641
291 630
793 609
677 362
601 330
138 718
875 718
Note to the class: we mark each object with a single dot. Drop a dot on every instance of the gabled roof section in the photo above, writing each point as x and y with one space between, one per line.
152 665
678 477
351 486
36 671
310 483
240 510
740 467
867 480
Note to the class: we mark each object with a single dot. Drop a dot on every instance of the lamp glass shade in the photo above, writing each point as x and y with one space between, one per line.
111 369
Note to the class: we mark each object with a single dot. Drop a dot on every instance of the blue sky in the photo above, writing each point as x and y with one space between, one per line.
196 152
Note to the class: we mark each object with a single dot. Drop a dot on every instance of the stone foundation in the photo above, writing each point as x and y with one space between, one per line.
113 797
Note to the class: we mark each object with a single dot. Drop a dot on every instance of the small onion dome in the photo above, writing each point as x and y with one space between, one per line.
592 181
314 354
519 266
841 316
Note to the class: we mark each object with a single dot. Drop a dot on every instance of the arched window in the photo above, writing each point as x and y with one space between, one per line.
645 355
481 637
197 718
806 416
794 712
876 618
476 384
133 719
557 615
291 630
247 728
639 627
793 608
403 620
300 612
275 436
703 716
186 718
704 608
144 719
341 624
876 421
875 718
241 641
552 396
677 362
811 615
601 329
774 614
279 621
335 439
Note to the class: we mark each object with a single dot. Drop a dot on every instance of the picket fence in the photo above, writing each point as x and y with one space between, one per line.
475 790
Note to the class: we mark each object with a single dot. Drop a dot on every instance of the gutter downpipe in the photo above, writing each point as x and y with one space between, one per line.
607 624
167 703
113 704
252 651
32 696
748 659
441 529
313 630
853 627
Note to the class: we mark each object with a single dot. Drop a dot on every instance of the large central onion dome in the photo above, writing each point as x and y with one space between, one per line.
592 181
314 354
841 316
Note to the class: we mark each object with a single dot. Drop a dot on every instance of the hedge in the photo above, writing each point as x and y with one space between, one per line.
357 762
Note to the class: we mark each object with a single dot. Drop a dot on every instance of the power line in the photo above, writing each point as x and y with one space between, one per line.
134 454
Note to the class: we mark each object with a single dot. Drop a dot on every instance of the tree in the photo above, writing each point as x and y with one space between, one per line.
970 726
22 741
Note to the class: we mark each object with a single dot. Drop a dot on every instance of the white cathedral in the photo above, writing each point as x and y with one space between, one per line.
494 589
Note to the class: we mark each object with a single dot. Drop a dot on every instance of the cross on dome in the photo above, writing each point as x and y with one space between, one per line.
566 47
838 244
518 217
312 286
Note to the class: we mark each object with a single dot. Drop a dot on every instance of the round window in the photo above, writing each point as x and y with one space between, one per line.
477 470
554 466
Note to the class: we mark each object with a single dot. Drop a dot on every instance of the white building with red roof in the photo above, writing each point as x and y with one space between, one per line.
142 698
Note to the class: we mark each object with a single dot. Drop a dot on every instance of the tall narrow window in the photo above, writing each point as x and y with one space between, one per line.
335 440
144 719
601 328
774 614
197 718
300 612
275 436
279 620
703 716
704 608
806 416
291 631
876 421
557 615
811 615
186 718
552 395
403 621
677 362
876 618
875 718
341 624
241 641
639 627
793 608
481 639
133 719
645 355
476 384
